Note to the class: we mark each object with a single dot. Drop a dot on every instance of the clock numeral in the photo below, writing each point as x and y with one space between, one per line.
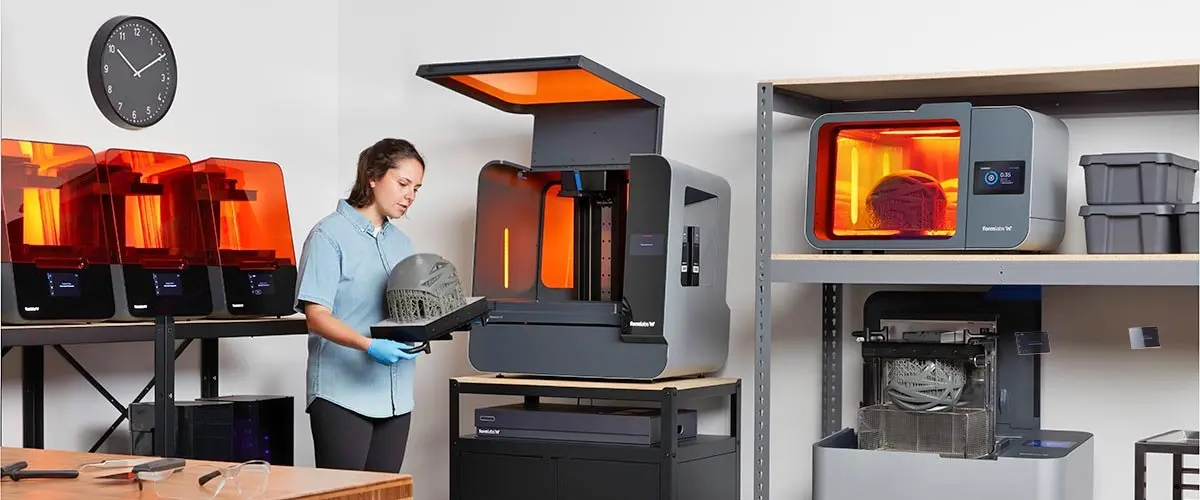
160 97
137 31
106 68
111 48
135 115
120 104
164 77
147 109
110 89
122 35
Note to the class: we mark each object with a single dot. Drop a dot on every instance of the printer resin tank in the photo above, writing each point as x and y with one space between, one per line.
150 198
56 258
602 258
244 214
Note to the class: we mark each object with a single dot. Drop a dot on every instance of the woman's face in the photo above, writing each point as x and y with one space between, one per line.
396 191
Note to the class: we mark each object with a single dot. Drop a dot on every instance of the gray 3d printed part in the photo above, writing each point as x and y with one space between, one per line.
425 301
423 287
920 385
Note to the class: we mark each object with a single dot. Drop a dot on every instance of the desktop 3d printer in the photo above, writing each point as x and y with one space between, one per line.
57 265
951 407
602 258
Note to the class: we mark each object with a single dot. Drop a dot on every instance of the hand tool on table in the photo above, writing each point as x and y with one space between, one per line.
18 471
155 470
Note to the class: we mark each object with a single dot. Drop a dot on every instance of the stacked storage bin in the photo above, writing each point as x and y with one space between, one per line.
1140 203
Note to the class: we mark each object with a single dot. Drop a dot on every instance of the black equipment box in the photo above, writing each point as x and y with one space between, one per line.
204 429
263 428
225 429
580 423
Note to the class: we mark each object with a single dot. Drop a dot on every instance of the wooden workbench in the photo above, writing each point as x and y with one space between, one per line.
283 482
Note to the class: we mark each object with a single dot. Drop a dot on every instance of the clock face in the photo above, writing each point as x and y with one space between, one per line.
132 72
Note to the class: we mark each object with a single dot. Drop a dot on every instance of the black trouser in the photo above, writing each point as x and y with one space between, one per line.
343 439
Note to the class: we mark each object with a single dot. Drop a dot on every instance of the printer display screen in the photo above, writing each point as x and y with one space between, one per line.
1042 443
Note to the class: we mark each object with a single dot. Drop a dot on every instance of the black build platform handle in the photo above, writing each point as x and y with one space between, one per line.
44 474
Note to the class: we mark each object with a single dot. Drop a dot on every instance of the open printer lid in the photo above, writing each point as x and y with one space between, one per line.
585 114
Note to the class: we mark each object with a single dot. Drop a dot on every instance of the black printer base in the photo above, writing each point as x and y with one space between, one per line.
704 468
488 476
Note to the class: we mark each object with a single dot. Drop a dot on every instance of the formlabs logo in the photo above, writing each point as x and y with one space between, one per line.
995 229
642 324
484 430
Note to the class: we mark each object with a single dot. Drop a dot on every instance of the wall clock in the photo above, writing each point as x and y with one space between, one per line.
132 72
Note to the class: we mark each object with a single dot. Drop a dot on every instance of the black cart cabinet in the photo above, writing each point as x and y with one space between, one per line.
706 467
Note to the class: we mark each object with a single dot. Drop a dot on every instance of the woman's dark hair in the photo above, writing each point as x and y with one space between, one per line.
375 161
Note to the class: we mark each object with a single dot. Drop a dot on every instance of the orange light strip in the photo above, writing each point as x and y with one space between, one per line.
506 258
919 131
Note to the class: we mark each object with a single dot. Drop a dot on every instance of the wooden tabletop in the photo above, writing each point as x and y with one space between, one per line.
282 483
681 384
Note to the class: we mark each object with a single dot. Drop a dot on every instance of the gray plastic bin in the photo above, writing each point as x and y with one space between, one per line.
1189 227
1138 178
1130 228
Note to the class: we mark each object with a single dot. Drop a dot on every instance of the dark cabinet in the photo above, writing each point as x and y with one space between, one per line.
702 468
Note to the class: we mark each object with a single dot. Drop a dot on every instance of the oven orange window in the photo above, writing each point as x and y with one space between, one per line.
890 182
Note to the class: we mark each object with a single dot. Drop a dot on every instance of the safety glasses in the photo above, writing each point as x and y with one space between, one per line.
242 481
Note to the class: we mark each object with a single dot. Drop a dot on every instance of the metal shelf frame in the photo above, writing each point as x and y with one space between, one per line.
1129 89
163 332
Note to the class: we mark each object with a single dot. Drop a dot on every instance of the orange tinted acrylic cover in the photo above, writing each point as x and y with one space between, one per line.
154 208
245 213
52 208
896 181
515 84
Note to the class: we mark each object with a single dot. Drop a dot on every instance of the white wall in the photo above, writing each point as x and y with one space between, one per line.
706 61
254 84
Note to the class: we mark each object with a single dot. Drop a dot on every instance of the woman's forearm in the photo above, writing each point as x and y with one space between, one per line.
322 322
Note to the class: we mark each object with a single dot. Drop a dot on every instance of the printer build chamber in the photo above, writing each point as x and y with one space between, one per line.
56 253
151 201
951 405
624 278
603 258
244 214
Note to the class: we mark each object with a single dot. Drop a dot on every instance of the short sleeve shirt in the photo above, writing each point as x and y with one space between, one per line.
344 266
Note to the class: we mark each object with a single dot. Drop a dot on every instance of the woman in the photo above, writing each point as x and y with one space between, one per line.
360 390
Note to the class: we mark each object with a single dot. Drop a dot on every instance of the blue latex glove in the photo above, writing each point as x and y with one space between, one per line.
388 352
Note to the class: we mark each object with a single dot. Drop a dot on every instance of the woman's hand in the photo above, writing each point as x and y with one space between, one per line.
321 321
388 352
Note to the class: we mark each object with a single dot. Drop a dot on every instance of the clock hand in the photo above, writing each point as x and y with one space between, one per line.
122 54
152 63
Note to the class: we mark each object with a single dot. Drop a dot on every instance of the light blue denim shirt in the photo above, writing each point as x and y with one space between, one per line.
345 266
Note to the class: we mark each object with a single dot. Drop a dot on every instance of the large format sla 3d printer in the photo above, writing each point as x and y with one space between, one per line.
893 180
602 258
244 214
150 199
56 258
951 407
